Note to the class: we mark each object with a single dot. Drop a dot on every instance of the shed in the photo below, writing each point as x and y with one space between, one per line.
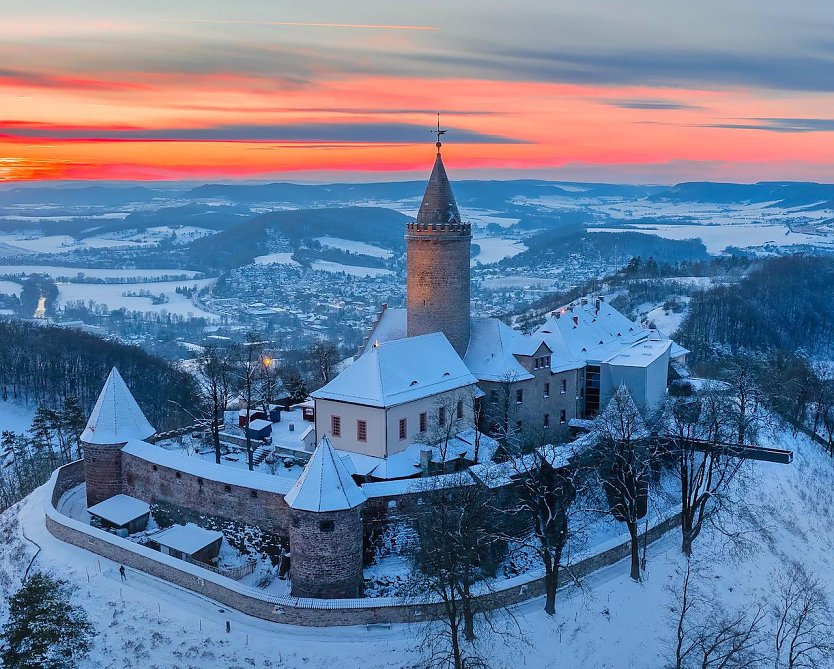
189 542
259 429
274 413
244 416
122 512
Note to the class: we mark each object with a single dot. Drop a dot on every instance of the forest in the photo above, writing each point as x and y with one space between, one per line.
786 304
45 364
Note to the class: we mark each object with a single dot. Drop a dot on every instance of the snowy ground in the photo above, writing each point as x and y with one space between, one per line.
98 273
112 296
610 623
10 287
353 246
718 237
494 249
15 416
327 266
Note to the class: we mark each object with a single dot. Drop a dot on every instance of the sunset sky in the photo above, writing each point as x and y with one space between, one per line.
644 91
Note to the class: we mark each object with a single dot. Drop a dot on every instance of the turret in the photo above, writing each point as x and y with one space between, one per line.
438 254
326 528
116 419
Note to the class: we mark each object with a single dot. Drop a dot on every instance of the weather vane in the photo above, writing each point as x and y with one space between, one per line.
438 132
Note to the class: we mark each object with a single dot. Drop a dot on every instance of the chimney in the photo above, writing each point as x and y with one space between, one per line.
597 304
575 321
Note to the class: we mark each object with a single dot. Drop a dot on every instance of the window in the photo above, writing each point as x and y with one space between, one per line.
546 390
519 396
563 416
336 426
361 430
460 409
253 493
178 475
403 428
564 387
547 420
424 420
227 488
592 388
541 363
327 526
441 416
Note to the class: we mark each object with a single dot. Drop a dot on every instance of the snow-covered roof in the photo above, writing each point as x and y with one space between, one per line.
391 325
259 424
596 332
325 484
492 344
116 418
400 371
120 509
188 538
278 483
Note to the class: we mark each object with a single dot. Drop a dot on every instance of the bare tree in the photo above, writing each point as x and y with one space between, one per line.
446 422
709 637
696 439
324 356
247 369
451 558
546 488
745 398
217 380
802 621
625 465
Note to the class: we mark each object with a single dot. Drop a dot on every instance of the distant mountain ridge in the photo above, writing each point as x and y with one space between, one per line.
480 193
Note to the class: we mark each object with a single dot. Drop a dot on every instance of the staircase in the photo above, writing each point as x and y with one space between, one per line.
260 453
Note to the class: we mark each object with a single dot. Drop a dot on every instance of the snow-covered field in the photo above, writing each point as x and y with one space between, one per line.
327 266
718 237
494 249
279 258
608 623
111 295
62 243
354 247
10 287
98 273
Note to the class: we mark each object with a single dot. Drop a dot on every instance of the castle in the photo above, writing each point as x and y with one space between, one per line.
427 388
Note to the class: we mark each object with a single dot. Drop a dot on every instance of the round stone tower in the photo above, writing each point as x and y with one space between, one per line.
326 530
116 419
437 255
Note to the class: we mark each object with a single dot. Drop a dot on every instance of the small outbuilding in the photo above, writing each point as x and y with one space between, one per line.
259 429
245 416
189 542
121 512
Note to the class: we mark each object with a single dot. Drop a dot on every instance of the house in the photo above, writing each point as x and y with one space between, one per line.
188 542
122 512
398 392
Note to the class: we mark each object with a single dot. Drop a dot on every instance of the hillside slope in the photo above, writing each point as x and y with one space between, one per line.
610 623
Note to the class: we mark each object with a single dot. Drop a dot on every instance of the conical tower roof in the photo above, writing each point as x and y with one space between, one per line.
325 484
116 417
438 206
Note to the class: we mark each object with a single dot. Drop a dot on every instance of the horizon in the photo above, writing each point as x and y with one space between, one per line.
582 93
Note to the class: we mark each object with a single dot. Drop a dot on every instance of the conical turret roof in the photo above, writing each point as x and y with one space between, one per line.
116 417
325 484
438 206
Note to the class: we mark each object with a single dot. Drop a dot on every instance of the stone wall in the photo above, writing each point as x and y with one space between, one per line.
290 610
156 483
103 471
326 550
437 285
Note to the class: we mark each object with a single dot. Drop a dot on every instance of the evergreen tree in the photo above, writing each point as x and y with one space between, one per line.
73 420
41 432
45 630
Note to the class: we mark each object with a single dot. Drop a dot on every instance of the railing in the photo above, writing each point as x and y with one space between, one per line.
234 573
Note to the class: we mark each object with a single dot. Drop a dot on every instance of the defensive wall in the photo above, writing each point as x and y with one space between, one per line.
295 610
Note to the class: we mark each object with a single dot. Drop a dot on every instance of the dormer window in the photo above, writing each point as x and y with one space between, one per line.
413 383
